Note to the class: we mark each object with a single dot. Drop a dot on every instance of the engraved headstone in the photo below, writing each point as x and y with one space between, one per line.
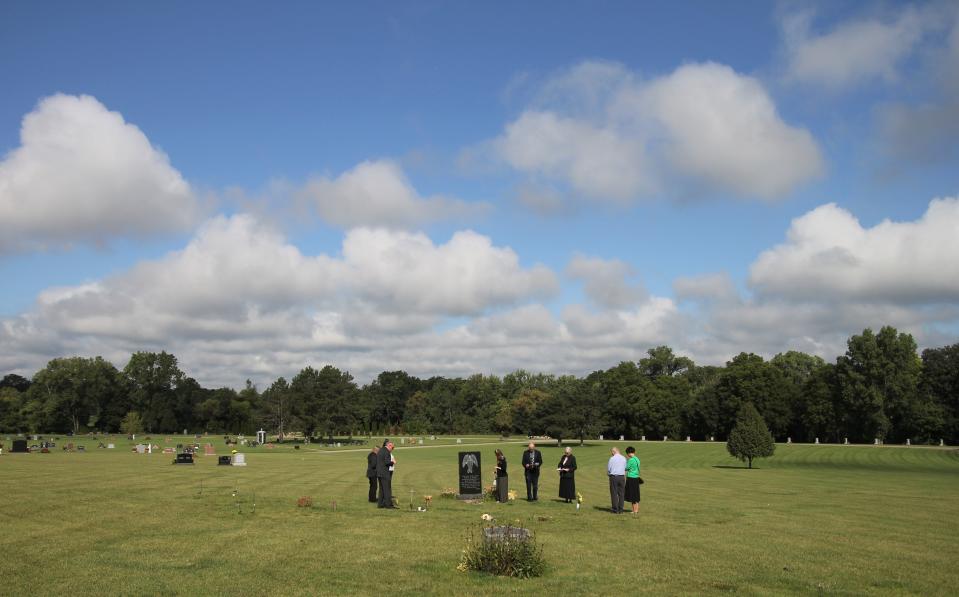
875 442
470 478
20 446
421 441
239 459
687 439
643 438
600 437
111 446
141 449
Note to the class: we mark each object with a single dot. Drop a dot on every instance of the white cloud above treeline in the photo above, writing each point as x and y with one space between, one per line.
82 174
604 133
240 301
378 194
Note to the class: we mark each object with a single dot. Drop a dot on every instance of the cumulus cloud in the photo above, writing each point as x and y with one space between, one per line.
378 193
606 281
608 135
241 293
828 253
82 174
852 52
722 129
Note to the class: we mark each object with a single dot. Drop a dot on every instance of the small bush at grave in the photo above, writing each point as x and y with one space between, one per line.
304 502
448 494
503 551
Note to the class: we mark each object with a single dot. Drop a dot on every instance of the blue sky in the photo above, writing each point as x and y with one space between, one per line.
457 188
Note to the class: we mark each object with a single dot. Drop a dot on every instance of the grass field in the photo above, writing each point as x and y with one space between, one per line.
844 520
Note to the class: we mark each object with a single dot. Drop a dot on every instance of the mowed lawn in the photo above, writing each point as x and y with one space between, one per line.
845 520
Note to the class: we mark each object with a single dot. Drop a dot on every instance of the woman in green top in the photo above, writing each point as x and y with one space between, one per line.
632 478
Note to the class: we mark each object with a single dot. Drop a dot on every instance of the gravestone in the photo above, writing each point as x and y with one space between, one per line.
169 451
845 441
687 439
875 442
459 441
402 440
665 437
224 461
642 438
110 446
421 441
141 449
711 438
19 446
239 459
601 437
622 438
470 478
941 444
789 440
209 450
506 533
908 443
817 440
184 458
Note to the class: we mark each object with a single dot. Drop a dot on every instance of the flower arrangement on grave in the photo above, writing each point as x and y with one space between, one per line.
304 502
490 492
487 517
448 494
428 499
511 495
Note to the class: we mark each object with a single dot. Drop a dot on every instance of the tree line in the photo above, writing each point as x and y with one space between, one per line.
880 388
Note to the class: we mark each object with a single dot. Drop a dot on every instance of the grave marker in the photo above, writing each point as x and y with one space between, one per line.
239 459
261 436
470 477
817 440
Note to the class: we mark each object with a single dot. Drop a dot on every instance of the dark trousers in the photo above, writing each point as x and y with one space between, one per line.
373 485
386 493
532 484
617 491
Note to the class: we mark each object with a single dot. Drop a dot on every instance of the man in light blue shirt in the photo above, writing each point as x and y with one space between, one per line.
616 469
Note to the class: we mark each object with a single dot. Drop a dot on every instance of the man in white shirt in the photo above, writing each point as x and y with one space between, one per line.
616 469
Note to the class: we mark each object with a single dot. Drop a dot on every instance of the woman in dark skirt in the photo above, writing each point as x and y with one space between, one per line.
632 479
567 476
502 480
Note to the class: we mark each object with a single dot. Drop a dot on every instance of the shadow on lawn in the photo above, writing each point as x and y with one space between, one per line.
741 467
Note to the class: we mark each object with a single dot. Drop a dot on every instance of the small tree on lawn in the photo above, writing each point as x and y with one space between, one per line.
131 423
750 438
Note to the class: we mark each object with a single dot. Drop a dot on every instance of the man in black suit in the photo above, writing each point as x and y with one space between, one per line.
371 471
384 461
532 461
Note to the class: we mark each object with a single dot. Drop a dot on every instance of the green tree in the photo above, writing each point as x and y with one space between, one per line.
132 423
154 379
750 438
939 385
68 392
878 381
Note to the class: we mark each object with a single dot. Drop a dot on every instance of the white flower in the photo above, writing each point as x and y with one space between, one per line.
486 517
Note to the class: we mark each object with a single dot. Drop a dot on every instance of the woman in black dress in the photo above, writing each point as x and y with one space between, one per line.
567 478
502 480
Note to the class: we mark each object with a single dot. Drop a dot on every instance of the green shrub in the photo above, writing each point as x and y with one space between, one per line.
505 556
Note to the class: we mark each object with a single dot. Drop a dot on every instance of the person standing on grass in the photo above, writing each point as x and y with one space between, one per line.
532 461
567 475
502 480
384 461
616 469
371 472
632 478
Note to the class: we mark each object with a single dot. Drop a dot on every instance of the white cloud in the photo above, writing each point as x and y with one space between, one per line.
606 282
828 254
462 277
84 175
608 135
853 52
722 129
378 193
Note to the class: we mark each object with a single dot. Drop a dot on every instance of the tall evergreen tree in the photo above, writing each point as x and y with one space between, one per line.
750 438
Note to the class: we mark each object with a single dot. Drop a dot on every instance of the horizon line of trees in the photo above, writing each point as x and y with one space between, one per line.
880 388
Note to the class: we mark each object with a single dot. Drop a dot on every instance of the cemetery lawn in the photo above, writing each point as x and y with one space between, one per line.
845 520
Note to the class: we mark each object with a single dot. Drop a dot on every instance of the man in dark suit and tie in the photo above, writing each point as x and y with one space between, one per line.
384 460
532 461
371 471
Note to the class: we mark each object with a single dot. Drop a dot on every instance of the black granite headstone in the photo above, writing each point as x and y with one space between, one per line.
471 481
19 445
185 458
224 461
